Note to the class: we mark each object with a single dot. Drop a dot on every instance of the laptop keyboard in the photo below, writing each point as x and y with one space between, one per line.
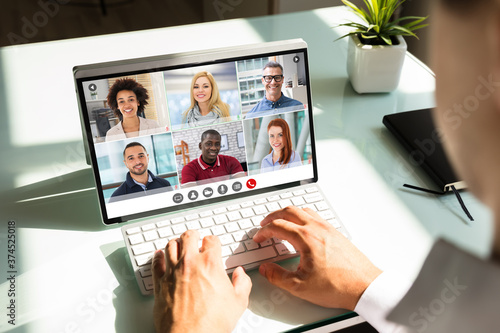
235 224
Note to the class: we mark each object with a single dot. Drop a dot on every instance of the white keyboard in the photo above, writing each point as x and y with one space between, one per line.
234 222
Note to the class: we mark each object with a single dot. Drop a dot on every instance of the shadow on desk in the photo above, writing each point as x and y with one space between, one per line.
68 202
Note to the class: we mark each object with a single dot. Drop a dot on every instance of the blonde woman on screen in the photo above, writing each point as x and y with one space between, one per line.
206 106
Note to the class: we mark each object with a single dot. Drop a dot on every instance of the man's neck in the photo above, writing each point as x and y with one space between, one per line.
212 163
143 179
273 99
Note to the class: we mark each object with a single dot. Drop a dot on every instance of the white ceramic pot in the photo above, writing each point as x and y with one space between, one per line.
375 68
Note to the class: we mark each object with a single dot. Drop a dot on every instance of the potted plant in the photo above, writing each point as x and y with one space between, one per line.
377 49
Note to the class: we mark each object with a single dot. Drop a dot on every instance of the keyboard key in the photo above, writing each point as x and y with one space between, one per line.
335 223
147 227
251 245
237 248
245 224
252 232
312 189
260 201
233 207
273 198
249 257
265 243
204 233
285 203
226 239
259 210
135 239
299 192
162 223
193 225
206 213
179 229
247 204
142 248
310 198
282 249
272 206
218 230
321 205
286 195
240 236
233 216
220 210
178 220
145 271
150 235
219 219
326 214
191 217
298 201
256 220
148 283
248 212
207 222
161 243
231 227
165 232
144 259
134 230
226 251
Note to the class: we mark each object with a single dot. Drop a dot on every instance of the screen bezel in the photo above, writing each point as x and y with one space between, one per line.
177 61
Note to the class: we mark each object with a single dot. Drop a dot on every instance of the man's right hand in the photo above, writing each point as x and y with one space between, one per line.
332 272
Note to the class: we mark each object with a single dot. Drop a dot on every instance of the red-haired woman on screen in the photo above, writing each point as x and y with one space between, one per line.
281 156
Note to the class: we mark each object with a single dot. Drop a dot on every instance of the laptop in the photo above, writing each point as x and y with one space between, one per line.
189 141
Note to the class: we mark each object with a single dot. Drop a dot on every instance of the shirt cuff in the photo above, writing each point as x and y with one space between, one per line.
378 300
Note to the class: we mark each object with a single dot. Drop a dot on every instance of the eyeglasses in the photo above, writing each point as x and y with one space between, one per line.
269 78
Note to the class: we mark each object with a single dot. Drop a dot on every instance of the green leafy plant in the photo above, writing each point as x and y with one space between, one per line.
380 25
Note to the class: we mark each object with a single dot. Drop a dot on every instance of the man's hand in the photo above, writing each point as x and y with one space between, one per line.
332 272
192 290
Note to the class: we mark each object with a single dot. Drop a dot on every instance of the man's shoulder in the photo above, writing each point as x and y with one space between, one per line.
290 101
120 190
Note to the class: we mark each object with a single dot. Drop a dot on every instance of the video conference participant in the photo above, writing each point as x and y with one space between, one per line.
206 105
127 98
281 156
210 164
272 79
139 179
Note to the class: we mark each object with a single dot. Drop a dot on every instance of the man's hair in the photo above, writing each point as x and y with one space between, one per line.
208 132
133 144
273 64
127 84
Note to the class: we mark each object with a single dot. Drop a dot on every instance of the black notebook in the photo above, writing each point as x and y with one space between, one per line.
416 131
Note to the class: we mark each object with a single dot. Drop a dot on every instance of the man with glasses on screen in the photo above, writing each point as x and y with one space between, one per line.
139 179
272 79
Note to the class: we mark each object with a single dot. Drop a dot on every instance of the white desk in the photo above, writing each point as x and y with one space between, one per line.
73 273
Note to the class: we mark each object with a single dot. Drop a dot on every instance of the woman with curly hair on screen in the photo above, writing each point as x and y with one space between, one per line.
281 156
206 106
127 98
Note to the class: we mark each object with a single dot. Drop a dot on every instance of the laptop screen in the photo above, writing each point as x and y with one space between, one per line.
170 133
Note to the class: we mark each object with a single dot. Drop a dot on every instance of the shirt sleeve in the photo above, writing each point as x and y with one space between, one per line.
380 298
188 174
234 166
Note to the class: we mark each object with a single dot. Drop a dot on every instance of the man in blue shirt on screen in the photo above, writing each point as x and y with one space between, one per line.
274 101
139 179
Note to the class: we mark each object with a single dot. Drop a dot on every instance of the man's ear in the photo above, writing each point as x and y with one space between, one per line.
199 145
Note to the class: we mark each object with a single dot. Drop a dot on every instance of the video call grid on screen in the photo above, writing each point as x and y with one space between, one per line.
174 143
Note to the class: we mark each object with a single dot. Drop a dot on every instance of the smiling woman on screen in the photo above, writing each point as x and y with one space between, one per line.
281 155
127 98
206 105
